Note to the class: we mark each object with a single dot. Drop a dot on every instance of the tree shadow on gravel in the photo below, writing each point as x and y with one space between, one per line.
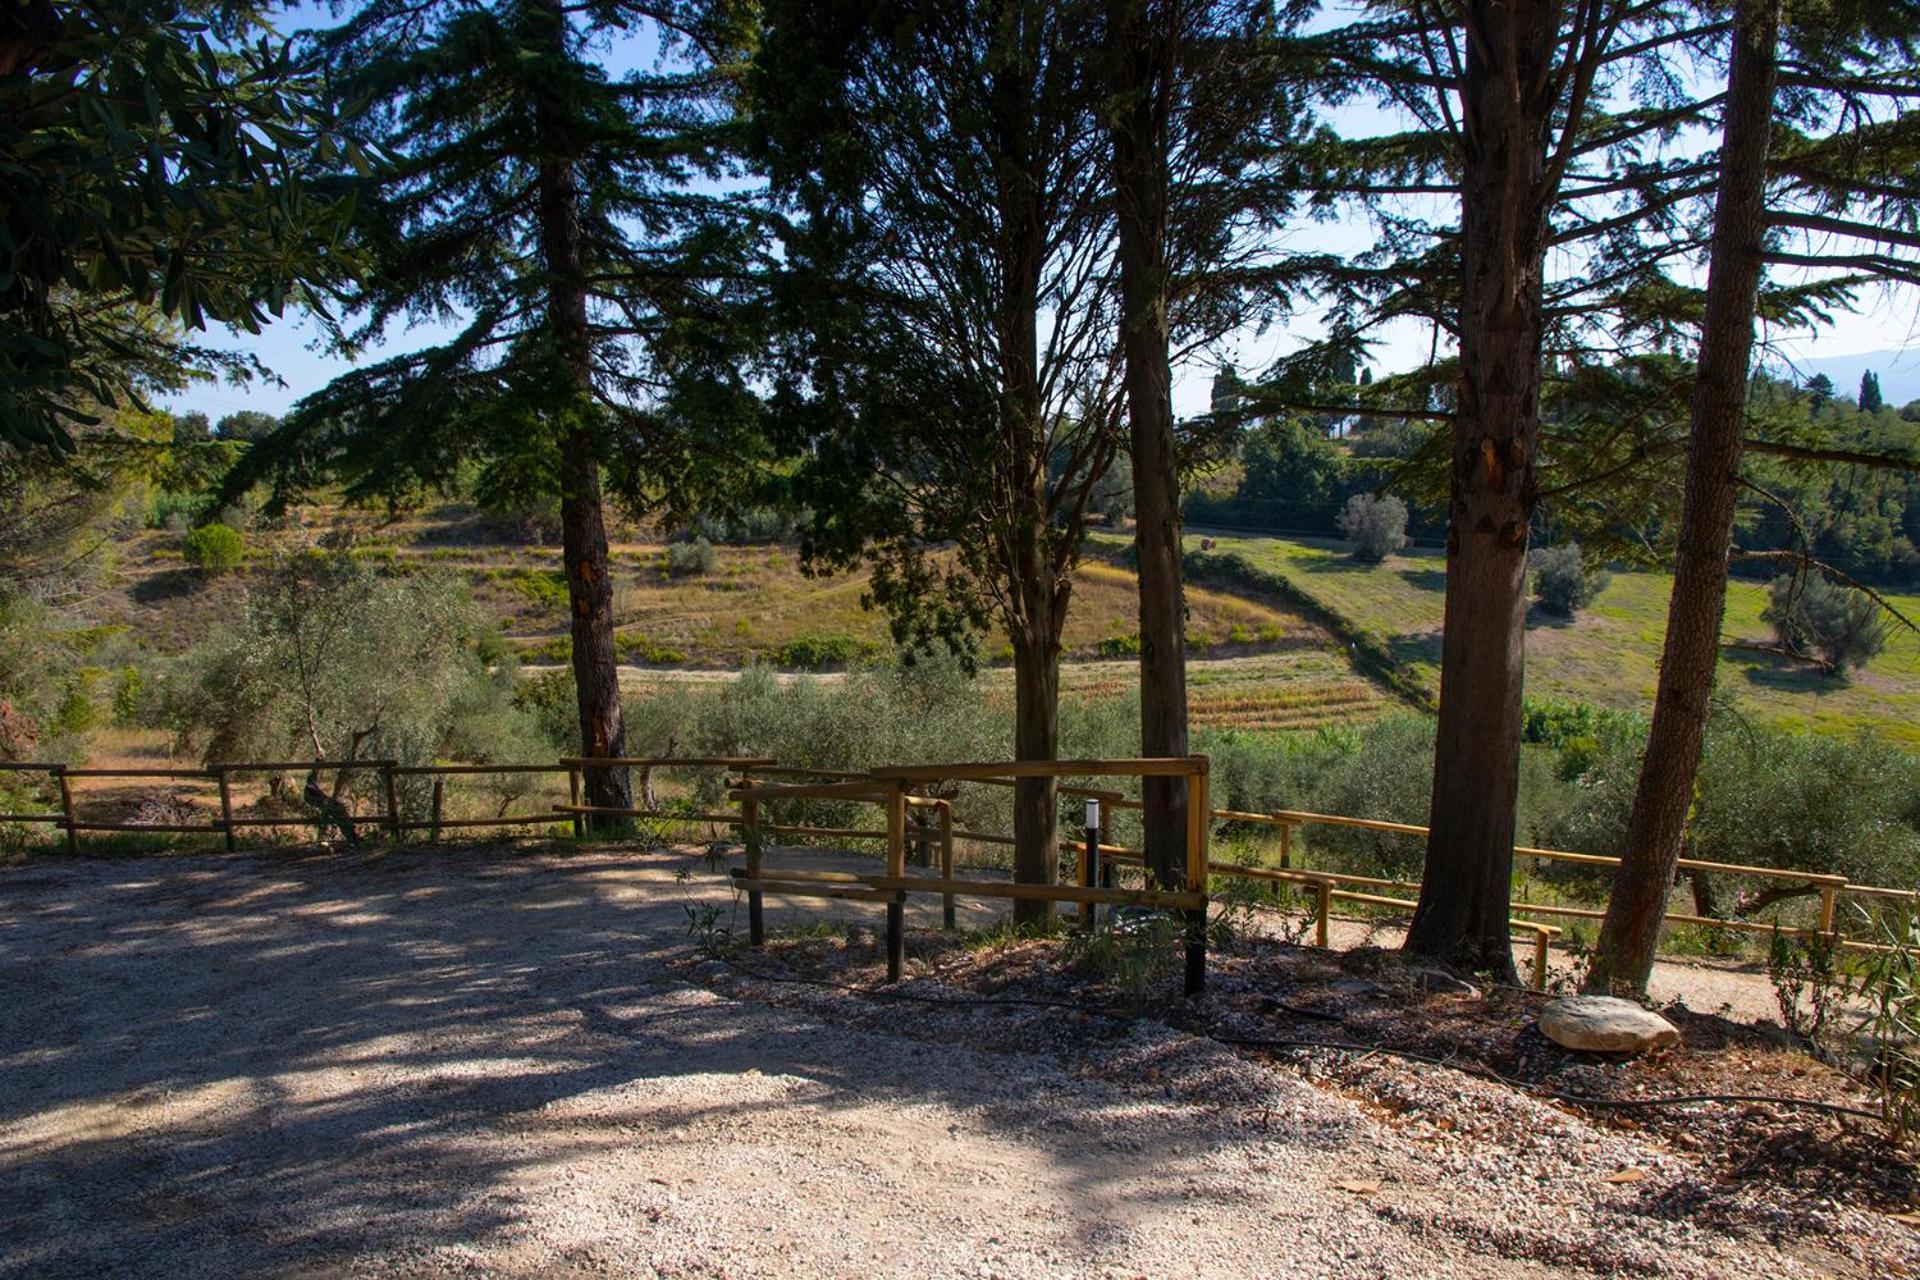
251 1065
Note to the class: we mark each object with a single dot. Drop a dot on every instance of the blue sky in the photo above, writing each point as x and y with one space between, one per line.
1887 320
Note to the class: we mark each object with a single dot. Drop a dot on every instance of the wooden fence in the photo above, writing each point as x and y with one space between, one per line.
926 824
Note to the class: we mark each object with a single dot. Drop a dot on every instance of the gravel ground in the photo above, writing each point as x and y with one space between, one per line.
488 1063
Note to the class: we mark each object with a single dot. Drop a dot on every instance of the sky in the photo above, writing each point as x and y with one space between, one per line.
1885 321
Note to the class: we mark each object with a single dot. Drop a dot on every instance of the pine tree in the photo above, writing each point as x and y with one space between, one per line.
153 165
1197 131
1803 158
947 380
1870 399
548 207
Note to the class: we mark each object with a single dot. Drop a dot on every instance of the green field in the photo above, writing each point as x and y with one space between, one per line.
1610 653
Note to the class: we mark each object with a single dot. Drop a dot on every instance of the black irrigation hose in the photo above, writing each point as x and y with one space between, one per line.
1340 1046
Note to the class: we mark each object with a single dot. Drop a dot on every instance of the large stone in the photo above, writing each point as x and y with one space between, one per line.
1604 1024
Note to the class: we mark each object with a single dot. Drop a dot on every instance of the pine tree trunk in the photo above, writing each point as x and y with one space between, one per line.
583 530
1507 100
1623 958
1036 736
1140 139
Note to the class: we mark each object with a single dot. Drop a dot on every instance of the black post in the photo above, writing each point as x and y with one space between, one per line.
1196 952
1090 869
896 936
756 902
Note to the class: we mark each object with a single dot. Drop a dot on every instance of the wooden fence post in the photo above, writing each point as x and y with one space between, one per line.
1199 823
66 807
393 799
573 793
226 802
1322 909
946 862
439 799
896 866
1286 845
1827 893
756 901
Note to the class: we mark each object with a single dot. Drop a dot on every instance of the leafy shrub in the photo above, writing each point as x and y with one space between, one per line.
1836 626
815 650
691 559
546 588
1127 646
646 651
1389 776
1376 525
214 549
1561 581
750 524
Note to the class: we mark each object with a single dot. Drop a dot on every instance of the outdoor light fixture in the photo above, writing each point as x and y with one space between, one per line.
1093 815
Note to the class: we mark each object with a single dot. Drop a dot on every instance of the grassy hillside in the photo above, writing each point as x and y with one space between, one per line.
1259 665
1610 654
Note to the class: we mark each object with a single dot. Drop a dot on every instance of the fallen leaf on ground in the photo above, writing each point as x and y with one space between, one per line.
1628 1175
1359 1186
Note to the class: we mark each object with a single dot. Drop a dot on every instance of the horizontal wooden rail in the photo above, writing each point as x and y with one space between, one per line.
818 889
666 762
1176 899
165 828
265 766
33 817
454 770
203 775
1148 767
615 811
816 791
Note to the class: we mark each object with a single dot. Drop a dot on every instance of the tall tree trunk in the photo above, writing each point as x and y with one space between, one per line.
1623 959
1507 99
1143 37
583 530
1036 736
1034 592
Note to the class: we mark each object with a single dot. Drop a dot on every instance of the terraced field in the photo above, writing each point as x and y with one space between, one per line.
1611 653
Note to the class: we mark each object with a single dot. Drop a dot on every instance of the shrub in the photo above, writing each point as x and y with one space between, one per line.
1127 646
1376 525
690 559
1824 622
214 549
1561 581
813 650
546 588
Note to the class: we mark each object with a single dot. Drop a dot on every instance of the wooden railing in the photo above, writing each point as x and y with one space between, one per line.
888 788
894 788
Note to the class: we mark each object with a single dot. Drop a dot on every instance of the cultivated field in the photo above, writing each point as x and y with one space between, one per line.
1609 654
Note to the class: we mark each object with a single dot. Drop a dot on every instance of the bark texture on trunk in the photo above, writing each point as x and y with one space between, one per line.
1144 37
1507 101
1630 933
583 530
1036 736
1035 592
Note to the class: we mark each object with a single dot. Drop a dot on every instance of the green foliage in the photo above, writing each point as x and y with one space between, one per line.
1889 986
476 106
635 647
334 660
141 165
816 651
1561 581
1376 525
1127 646
1824 622
214 549
691 559
546 588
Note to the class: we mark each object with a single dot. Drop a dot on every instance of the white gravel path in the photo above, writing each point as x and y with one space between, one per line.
486 1064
